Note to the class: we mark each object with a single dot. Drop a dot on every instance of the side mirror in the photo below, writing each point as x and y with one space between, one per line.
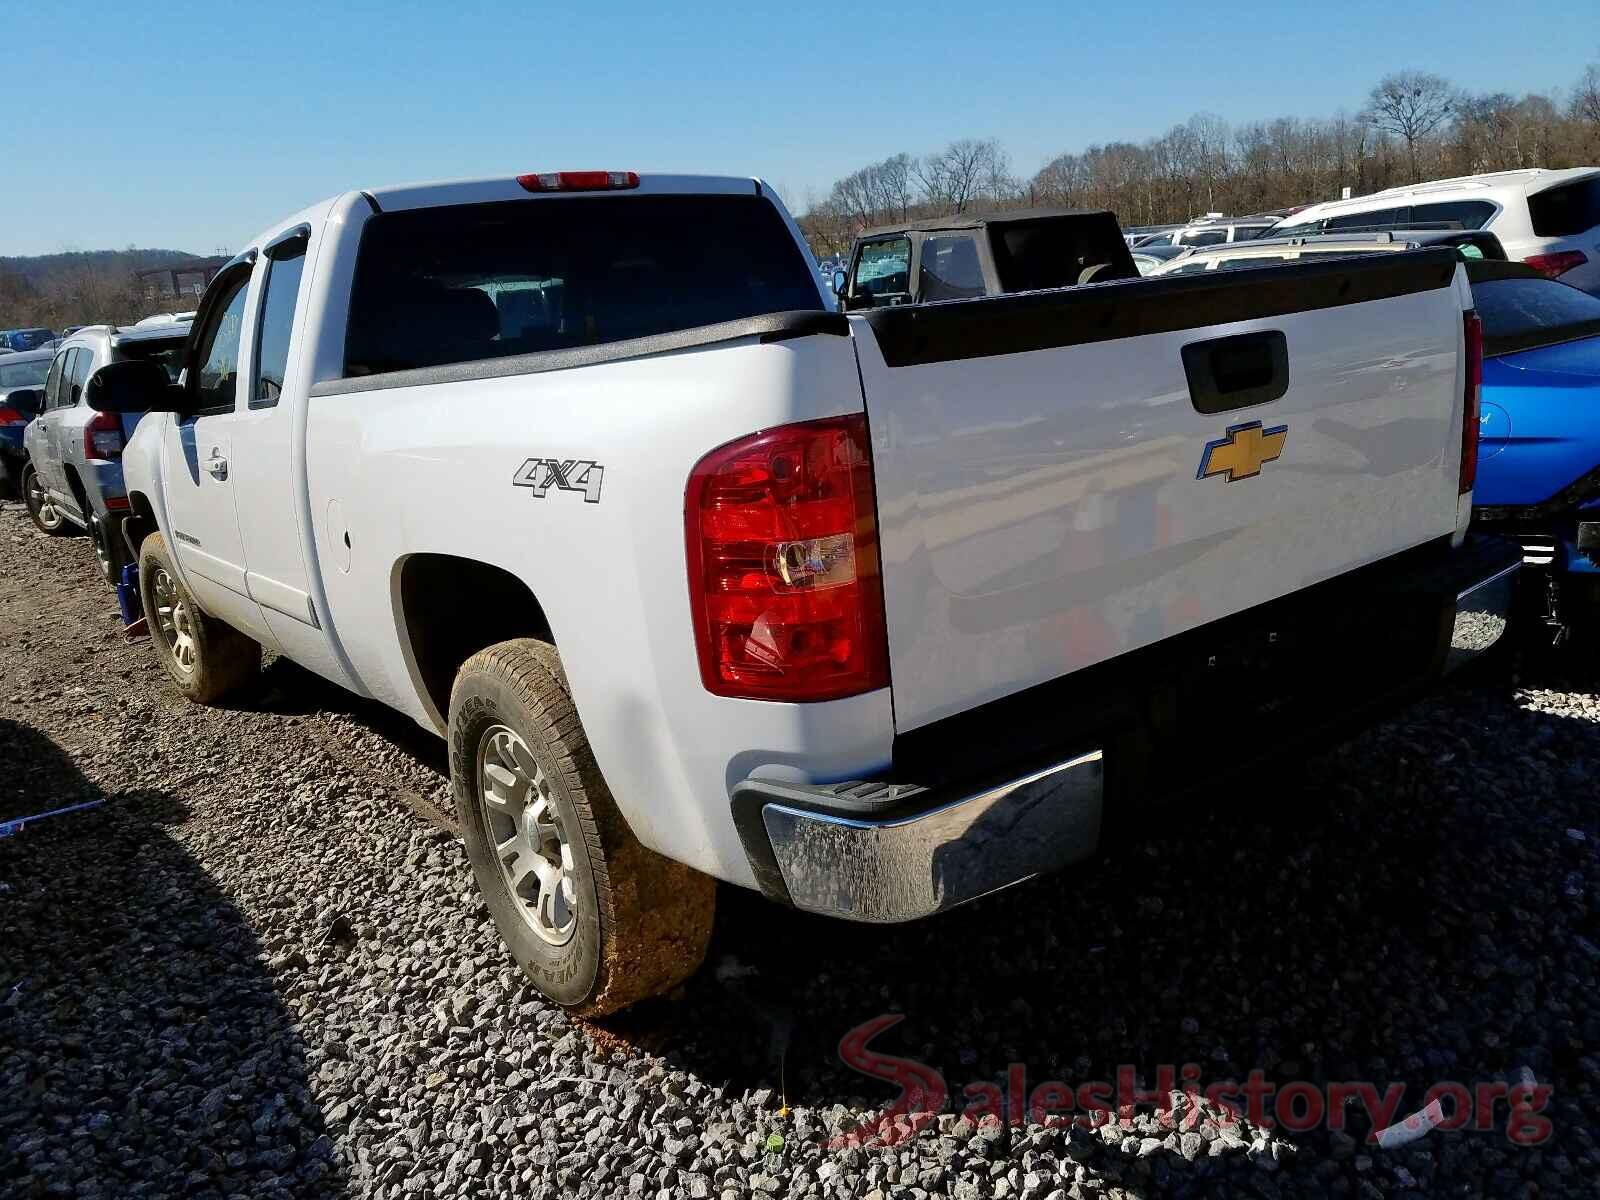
133 386
27 401
839 280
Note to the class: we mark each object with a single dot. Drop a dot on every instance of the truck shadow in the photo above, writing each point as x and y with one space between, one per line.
143 1049
1430 930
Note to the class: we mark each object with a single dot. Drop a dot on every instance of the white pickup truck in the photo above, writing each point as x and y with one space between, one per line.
703 580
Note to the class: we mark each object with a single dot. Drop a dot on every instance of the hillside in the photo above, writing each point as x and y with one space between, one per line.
38 269
79 287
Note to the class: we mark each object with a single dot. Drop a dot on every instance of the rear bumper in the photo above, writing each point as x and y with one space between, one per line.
891 851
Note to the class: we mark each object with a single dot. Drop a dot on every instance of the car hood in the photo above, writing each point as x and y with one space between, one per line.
1540 430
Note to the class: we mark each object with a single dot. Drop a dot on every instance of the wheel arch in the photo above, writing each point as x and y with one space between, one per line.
431 591
140 522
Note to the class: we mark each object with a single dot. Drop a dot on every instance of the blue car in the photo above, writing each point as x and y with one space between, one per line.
1539 435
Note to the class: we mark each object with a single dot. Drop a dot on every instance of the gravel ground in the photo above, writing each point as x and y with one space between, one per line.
260 969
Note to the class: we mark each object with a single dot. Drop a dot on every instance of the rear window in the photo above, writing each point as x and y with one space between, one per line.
1566 210
23 374
475 281
1522 313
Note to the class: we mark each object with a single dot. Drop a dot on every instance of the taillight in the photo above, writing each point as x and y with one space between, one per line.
1472 340
102 436
784 581
1556 264
580 181
10 416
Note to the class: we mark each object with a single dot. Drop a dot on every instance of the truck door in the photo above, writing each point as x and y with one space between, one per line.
198 448
262 460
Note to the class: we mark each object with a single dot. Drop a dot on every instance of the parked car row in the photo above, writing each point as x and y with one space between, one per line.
1547 219
70 473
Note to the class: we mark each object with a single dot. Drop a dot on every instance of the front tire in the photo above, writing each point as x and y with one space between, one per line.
205 657
595 920
47 516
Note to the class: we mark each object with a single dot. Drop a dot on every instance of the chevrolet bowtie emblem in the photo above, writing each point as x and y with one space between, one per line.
1241 453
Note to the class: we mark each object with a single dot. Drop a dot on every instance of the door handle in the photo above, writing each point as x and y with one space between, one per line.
217 465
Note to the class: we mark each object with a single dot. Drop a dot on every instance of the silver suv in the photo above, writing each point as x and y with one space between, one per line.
73 476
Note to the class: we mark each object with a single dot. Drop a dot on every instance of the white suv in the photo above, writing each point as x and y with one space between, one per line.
1547 219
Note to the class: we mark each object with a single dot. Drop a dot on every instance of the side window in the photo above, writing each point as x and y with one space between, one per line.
277 319
217 375
1469 214
81 365
1204 237
950 269
1376 219
52 383
884 269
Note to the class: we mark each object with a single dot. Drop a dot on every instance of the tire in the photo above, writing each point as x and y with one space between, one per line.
206 658
110 549
47 518
636 924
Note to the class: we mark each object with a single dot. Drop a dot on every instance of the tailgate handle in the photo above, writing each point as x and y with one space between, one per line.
1237 372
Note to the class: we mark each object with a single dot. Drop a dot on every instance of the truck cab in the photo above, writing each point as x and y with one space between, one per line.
982 254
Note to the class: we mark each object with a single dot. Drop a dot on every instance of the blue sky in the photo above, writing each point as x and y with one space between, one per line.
193 126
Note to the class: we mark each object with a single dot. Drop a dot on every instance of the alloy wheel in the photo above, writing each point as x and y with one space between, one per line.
174 619
530 842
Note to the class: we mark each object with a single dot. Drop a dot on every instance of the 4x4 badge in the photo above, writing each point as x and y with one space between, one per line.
565 475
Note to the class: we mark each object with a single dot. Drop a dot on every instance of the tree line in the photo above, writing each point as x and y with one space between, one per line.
1414 126
93 287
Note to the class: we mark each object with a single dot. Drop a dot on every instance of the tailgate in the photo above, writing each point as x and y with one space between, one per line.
1066 476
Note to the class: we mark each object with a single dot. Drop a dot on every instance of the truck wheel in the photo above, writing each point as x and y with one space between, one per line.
110 551
47 518
206 658
595 919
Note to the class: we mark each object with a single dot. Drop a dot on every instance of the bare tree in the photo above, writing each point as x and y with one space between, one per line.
961 172
1411 105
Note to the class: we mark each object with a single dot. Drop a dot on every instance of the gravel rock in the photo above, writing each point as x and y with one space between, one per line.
260 968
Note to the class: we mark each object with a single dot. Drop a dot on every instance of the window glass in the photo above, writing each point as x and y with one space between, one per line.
166 351
81 364
1243 233
52 385
217 380
950 269
1567 210
1306 230
1522 313
277 318
474 281
1377 218
1190 268
1254 260
23 374
884 268
1469 214
1203 237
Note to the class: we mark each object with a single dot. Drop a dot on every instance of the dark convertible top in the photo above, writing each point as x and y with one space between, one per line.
978 220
